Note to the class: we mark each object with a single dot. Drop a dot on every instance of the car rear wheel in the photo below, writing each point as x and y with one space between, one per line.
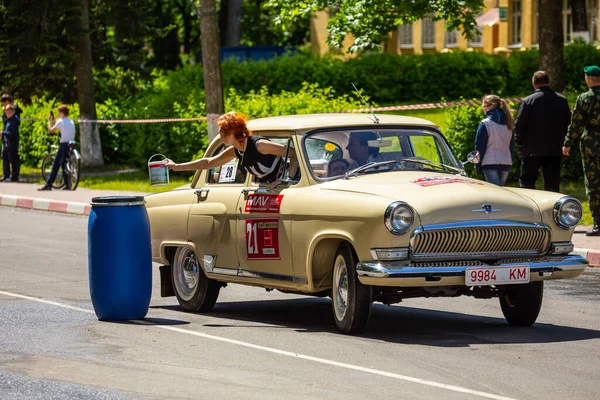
521 305
351 299
194 291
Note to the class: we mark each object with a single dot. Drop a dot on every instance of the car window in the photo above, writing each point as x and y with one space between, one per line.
425 147
284 142
229 173
332 154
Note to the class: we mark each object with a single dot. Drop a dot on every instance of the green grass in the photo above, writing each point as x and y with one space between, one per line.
131 181
435 115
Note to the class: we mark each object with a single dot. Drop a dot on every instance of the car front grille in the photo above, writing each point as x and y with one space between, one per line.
480 242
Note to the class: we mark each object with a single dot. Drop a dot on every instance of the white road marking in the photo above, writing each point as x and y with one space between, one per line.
284 353
53 303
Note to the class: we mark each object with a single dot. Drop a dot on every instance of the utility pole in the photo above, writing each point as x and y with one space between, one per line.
211 63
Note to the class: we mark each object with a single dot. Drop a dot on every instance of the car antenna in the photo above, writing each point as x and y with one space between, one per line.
376 120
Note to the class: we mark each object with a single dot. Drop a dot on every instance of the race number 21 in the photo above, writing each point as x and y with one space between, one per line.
262 239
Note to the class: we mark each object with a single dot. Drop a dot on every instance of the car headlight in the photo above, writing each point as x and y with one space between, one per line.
567 212
399 217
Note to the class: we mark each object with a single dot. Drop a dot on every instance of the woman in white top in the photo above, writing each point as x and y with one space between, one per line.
494 140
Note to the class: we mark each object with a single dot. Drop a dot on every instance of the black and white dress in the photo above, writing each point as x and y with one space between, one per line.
264 166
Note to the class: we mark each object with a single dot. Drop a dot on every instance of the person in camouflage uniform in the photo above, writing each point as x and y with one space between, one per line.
587 115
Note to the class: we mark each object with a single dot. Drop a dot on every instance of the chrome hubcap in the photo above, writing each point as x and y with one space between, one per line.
186 274
340 288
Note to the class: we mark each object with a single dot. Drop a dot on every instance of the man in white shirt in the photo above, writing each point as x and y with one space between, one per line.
66 126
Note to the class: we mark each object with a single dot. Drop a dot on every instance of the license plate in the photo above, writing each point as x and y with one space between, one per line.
497 275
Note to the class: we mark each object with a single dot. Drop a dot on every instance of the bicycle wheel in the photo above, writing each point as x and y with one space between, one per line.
47 169
74 169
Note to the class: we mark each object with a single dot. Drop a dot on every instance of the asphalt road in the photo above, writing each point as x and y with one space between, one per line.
270 345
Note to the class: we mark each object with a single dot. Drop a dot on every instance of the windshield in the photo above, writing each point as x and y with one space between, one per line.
338 154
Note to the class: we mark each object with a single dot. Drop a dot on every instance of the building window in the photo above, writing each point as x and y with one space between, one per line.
405 33
451 39
567 21
428 33
592 17
515 22
477 39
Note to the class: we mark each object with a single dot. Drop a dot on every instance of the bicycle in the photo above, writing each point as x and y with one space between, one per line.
72 164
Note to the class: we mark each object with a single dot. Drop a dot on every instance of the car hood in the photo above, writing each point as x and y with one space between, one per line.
442 198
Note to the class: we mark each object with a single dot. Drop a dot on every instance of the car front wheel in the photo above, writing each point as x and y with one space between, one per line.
194 291
351 299
522 304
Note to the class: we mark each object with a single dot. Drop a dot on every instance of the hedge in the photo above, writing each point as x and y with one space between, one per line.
133 144
390 79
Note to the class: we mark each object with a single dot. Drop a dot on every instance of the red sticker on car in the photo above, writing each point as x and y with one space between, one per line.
262 239
435 180
263 202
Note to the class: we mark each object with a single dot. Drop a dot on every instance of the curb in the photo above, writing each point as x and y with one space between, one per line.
593 256
41 204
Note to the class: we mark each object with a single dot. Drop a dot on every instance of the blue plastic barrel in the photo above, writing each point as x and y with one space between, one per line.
119 257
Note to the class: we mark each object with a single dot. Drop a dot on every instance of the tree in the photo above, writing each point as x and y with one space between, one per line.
91 148
552 42
230 17
580 25
211 62
369 21
36 49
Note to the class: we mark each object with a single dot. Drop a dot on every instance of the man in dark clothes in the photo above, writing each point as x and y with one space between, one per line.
540 128
10 144
5 100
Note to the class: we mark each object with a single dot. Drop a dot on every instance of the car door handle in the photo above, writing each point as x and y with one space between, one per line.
199 192
246 191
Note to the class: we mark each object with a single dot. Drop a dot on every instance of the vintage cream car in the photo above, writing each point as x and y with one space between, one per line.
403 221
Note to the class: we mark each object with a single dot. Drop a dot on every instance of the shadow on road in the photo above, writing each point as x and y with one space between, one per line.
151 321
405 325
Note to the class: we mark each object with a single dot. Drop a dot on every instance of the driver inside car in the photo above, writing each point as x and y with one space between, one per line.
360 151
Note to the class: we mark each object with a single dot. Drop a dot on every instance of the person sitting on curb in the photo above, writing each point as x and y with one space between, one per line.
66 126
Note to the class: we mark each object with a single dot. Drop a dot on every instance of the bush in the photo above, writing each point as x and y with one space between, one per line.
34 139
390 79
133 144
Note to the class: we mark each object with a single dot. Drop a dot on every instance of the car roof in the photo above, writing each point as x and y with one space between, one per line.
305 122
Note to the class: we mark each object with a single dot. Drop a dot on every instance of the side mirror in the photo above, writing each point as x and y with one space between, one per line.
473 158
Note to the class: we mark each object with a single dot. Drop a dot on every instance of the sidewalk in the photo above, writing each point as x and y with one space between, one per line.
26 195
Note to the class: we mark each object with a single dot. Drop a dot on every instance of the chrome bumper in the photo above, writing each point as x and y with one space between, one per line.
540 266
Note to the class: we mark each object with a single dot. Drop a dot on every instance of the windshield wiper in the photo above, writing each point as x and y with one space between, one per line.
367 166
431 164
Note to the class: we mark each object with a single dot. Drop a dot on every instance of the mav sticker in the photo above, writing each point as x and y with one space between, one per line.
263 203
262 239
434 181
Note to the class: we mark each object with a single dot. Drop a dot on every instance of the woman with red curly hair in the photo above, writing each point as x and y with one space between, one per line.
258 155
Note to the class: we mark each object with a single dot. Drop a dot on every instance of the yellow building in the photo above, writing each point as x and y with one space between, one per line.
505 25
